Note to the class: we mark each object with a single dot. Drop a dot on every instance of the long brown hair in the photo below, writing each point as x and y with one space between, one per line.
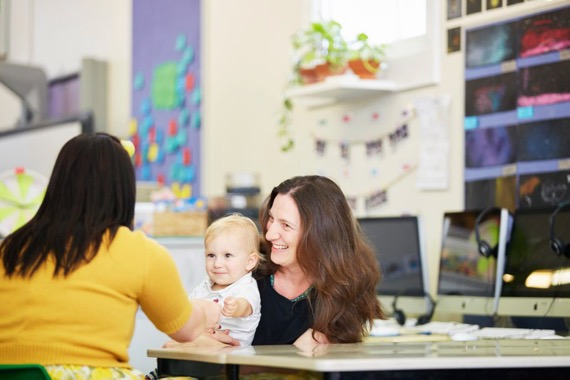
334 253
91 191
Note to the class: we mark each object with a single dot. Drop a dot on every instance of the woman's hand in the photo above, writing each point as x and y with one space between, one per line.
222 336
212 311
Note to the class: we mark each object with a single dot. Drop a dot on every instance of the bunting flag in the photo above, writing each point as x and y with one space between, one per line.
374 145
377 197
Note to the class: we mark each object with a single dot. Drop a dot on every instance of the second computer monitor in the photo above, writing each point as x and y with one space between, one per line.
399 245
536 279
469 281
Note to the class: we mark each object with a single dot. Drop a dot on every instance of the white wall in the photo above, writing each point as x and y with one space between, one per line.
246 63
57 34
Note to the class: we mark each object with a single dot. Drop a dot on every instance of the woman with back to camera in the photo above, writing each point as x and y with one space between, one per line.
318 284
72 278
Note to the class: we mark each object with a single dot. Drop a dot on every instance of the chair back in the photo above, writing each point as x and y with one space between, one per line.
23 372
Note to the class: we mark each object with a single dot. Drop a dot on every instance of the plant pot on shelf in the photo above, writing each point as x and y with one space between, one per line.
325 70
308 75
365 69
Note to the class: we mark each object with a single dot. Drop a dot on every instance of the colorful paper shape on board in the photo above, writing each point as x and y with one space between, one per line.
152 134
160 178
138 81
180 99
196 96
160 156
144 152
136 140
146 125
189 82
159 138
172 127
181 68
196 120
146 172
184 117
171 144
145 107
182 136
176 172
188 56
153 152
181 84
163 86
180 42
188 174
133 126
186 156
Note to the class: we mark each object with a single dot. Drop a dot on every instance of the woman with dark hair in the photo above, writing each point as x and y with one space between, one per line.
72 278
319 280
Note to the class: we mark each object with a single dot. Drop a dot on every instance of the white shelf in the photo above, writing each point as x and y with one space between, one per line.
342 88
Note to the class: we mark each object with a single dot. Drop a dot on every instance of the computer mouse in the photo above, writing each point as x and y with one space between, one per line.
463 337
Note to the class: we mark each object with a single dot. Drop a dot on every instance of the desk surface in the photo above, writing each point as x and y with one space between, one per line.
386 356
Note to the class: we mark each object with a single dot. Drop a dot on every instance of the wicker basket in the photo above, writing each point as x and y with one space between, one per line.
184 223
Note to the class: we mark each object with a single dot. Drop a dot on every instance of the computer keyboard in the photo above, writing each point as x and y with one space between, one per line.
388 327
385 328
513 333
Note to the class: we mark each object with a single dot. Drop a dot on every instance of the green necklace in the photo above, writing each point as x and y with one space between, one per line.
298 298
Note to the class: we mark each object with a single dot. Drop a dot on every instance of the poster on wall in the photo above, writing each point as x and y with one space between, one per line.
166 94
517 112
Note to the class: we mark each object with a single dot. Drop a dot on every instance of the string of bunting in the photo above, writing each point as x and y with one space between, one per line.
378 197
374 146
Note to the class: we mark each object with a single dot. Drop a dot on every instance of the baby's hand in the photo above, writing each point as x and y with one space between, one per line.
230 306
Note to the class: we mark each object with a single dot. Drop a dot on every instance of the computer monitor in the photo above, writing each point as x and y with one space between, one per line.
36 146
469 282
399 245
536 282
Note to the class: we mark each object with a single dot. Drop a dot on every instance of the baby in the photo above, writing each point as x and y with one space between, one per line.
232 253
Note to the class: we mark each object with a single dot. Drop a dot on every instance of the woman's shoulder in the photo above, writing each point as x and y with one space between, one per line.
137 240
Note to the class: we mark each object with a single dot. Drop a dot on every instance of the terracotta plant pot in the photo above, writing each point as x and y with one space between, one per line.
325 70
308 75
364 69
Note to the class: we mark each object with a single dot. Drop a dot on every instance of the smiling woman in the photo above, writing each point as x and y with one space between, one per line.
318 282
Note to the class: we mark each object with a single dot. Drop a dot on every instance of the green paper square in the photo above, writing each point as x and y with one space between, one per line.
164 86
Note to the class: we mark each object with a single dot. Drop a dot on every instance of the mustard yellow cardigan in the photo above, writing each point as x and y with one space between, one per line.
88 317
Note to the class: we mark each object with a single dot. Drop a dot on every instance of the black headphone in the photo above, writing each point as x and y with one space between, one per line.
485 248
400 316
559 246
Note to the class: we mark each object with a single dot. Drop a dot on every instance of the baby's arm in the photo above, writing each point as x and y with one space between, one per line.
236 307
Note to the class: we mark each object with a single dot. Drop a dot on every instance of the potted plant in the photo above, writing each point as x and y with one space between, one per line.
320 51
366 58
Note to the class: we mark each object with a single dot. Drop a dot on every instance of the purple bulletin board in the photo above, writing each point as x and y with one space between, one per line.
166 93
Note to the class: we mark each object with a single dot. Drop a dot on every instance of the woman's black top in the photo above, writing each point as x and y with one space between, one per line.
282 320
